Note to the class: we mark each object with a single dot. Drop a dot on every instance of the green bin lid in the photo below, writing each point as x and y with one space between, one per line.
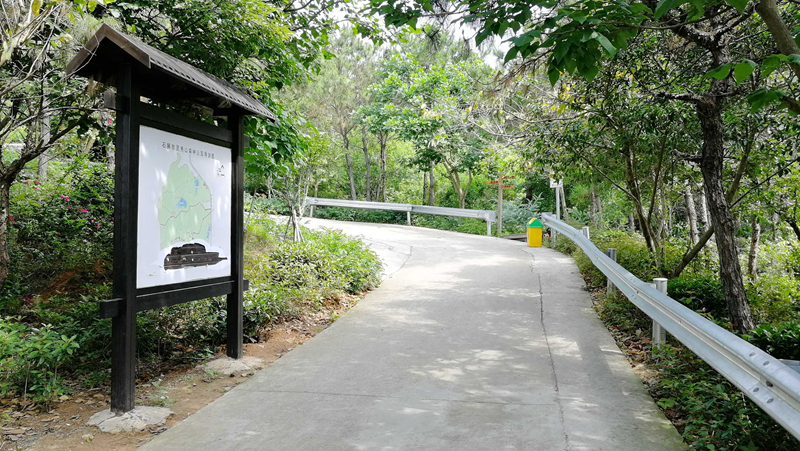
535 223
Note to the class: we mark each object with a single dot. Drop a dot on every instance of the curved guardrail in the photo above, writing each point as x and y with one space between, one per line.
484 215
772 385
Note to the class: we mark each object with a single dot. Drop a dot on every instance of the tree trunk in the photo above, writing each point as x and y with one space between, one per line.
631 223
691 215
692 253
111 158
599 206
633 186
564 203
4 222
752 257
431 186
424 187
528 189
704 209
771 15
368 164
382 140
795 227
41 166
592 207
350 177
709 112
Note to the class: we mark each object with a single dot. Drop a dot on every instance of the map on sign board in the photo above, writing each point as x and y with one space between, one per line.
184 224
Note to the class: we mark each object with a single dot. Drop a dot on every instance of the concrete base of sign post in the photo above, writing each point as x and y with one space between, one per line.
135 420
227 366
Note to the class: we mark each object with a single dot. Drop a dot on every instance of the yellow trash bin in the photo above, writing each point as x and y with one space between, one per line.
535 230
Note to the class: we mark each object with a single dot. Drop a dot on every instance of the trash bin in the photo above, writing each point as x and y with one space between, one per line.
535 230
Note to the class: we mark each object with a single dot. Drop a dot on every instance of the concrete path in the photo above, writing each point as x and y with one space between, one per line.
471 343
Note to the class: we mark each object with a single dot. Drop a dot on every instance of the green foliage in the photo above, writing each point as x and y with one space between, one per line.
617 310
700 293
357 215
781 340
775 298
517 214
285 279
239 35
59 225
30 358
632 254
717 416
463 225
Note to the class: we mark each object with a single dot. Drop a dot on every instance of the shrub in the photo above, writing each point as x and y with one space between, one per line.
781 341
62 225
30 358
774 297
284 277
517 214
700 293
716 415
264 205
358 215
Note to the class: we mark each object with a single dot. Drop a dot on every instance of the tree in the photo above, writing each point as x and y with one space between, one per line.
577 37
40 103
428 109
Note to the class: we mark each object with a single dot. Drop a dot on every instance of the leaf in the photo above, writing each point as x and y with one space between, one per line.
610 49
721 72
663 6
769 64
740 5
36 7
588 72
699 9
742 71
553 74
762 97
512 53
794 59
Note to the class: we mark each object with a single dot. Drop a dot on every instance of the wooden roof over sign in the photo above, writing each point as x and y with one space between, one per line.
164 77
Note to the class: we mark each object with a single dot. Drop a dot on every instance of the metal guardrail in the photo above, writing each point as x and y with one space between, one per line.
485 215
772 385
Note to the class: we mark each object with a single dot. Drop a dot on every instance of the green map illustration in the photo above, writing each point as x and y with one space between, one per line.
184 207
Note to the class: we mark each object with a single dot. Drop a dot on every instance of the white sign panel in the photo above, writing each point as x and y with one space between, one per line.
554 184
184 229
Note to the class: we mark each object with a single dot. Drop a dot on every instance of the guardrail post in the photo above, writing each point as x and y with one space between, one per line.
408 217
585 232
610 287
488 227
311 212
659 333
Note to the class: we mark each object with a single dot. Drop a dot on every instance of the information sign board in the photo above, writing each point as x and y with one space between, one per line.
184 217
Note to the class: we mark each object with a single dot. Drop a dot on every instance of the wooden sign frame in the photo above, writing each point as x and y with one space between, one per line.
131 115
138 70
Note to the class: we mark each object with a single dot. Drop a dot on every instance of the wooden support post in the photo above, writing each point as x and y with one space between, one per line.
610 287
235 302
126 189
659 333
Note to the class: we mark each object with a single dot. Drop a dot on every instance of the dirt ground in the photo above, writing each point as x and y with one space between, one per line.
184 390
